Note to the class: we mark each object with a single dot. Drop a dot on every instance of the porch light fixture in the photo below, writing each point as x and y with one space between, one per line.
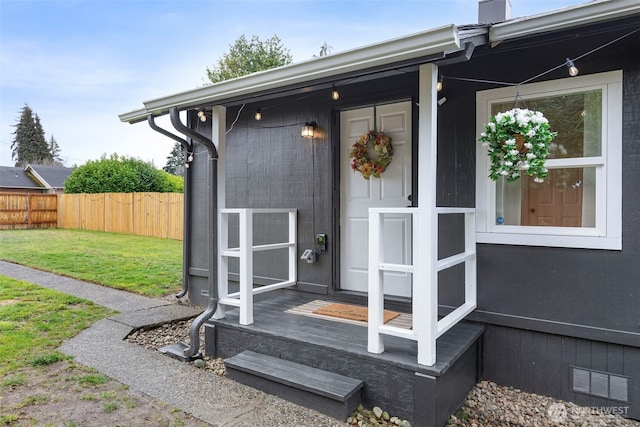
308 129
573 70
258 115
335 95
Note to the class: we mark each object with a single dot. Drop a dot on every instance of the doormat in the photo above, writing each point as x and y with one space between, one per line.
352 312
309 309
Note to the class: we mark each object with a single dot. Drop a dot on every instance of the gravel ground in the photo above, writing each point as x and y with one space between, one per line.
488 404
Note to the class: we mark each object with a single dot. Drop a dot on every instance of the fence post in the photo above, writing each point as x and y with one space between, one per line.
28 210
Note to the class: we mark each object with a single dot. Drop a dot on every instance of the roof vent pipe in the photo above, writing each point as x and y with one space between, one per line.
493 11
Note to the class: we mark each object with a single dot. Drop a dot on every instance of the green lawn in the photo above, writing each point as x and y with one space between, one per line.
33 323
145 265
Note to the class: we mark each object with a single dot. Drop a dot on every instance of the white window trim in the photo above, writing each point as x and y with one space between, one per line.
607 234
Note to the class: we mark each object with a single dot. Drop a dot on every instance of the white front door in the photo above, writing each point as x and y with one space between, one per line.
357 195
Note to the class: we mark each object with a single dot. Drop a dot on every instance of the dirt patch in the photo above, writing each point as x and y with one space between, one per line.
8 302
68 394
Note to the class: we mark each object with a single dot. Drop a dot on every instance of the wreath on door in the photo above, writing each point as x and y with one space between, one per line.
372 153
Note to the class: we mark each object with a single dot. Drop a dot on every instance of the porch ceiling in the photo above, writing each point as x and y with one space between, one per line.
426 46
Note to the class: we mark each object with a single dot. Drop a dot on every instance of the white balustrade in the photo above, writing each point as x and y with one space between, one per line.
426 326
244 252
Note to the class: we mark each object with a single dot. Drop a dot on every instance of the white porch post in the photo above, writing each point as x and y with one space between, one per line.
218 136
425 290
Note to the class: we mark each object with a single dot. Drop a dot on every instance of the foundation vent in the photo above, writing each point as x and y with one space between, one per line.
600 384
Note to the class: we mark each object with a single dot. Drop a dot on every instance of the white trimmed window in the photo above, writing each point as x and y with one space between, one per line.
579 205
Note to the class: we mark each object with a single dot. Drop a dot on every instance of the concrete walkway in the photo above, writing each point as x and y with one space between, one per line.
214 399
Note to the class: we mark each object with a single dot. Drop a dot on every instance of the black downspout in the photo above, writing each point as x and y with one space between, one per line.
186 227
191 352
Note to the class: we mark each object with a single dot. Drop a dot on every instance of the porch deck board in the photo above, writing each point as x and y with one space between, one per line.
270 318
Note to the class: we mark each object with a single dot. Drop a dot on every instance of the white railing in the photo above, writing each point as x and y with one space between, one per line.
244 252
426 326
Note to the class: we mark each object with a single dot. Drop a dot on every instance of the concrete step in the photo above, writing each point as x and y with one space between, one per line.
326 392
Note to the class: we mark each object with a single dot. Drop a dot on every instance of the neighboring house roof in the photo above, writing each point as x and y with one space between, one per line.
15 177
432 45
50 177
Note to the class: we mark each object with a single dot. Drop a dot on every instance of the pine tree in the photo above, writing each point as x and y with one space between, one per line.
29 144
175 161
54 149
41 148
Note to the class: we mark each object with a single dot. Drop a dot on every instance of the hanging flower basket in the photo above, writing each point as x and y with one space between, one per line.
372 153
517 140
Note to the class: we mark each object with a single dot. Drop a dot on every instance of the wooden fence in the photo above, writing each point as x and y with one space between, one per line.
146 214
28 210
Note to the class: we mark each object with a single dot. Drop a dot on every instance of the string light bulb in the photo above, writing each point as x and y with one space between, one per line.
573 70
258 115
335 95
202 115
439 84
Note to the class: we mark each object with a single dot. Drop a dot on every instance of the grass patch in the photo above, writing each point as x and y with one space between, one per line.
47 359
110 407
9 418
22 337
145 265
108 395
89 397
14 381
93 380
33 400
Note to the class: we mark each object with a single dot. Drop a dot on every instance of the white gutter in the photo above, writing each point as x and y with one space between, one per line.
595 11
435 41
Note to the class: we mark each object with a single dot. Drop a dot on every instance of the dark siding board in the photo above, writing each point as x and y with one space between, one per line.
599 356
526 356
513 353
539 382
632 369
615 359
554 365
489 352
502 346
569 352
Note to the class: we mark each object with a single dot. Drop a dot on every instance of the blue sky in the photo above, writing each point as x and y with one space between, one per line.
80 63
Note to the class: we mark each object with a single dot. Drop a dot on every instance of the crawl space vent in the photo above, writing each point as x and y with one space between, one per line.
600 384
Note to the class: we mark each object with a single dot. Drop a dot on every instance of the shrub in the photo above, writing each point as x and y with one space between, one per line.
118 174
